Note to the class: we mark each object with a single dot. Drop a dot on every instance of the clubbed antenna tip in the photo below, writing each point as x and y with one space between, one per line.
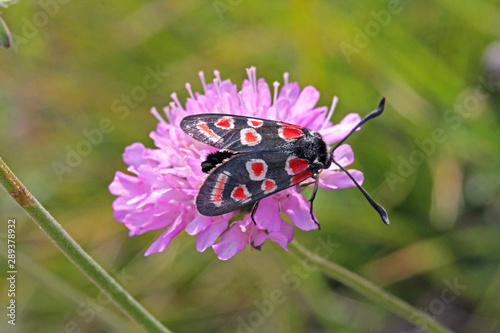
381 107
375 113
381 211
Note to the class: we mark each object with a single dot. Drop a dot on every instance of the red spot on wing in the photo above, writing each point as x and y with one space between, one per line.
250 137
268 185
225 123
301 176
289 133
296 165
204 129
218 189
240 193
257 168
292 133
255 123
290 125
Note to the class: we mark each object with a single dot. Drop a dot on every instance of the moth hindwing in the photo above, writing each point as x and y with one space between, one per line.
259 158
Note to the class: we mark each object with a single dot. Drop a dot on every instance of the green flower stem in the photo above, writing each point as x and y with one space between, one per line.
370 290
65 289
5 36
122 299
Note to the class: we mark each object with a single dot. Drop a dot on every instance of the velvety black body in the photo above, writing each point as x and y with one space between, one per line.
231 163
214 159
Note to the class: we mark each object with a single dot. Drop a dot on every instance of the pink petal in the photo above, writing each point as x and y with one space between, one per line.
298 208
313 119
151 219
133 154
164 240
124 184
343 155
264 96
283 236
160 135
198 224
258 237
195 165
337 132
166 196
279 238
287 230
155 157
333 180
207 237
248 97
279 110
150 175
228 87
121 208
194 106
307 100
290 92
267 215
232 241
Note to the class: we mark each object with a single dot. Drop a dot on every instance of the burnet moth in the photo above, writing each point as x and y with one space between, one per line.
260 157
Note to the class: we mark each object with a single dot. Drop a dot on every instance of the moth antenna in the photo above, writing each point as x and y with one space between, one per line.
382 212
375 113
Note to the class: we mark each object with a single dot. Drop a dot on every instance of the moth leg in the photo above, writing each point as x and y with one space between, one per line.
311 200
254 209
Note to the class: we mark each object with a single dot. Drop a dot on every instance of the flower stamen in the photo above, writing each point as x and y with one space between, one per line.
157 115
276 84
252 77
190 91
201 75
217 80
285 78
166 111
176 100
330 113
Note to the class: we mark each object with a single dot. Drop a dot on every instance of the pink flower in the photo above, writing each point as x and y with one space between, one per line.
164 182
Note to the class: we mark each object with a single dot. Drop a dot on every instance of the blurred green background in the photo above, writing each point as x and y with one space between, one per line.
433 159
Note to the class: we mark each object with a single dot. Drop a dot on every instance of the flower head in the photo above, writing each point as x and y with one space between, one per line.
160 191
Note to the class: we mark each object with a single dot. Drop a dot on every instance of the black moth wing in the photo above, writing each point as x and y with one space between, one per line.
237 182
243 134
